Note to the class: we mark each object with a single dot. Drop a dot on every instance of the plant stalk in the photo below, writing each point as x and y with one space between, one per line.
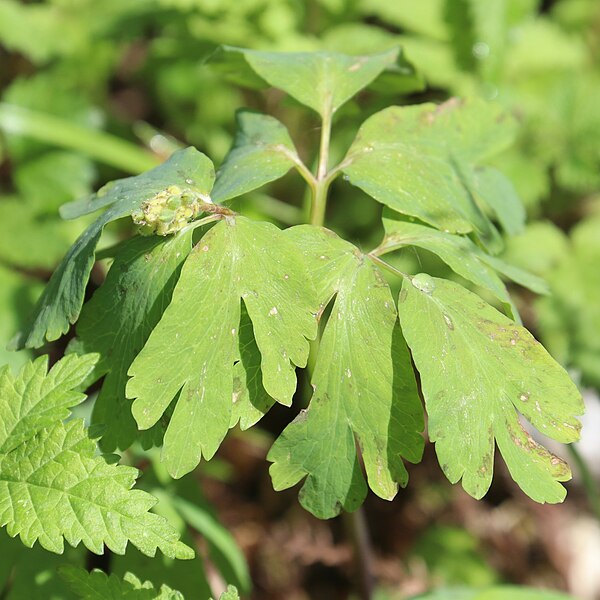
355 523
358 532
321 184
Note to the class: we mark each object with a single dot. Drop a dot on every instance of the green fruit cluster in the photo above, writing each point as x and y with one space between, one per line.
169 211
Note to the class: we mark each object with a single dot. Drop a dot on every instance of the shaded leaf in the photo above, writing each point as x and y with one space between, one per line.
478 368
17 296
32 240
118 319
31 573
225 552
250 399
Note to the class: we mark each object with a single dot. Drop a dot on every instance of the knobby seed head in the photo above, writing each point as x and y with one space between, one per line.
169 211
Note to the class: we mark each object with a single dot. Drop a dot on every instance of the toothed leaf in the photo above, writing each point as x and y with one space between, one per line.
364 389
479 370
191 351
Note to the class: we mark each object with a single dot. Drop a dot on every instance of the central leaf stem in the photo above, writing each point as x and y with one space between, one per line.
321 184
355 522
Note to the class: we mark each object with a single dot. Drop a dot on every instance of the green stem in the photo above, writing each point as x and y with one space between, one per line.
358 531
320 186
387 266
587 480
355 522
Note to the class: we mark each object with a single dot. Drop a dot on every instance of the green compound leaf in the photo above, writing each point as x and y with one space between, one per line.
54 486
230 593
420 160
321 80
191 351
478 368
462 255
97 585
118 319
364 389
262 152
61 301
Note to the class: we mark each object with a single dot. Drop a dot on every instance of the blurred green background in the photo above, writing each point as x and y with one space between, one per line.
93 90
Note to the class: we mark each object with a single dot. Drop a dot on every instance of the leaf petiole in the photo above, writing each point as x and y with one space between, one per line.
385 265
200 222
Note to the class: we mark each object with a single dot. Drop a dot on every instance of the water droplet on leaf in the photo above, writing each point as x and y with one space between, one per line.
424 283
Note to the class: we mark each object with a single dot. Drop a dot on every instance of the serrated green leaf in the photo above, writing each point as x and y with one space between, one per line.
364 388
97 585
36 398
321 80
463 256
61 301
419 161
229 594
53 485
118 319
262 152
192 349
478 368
